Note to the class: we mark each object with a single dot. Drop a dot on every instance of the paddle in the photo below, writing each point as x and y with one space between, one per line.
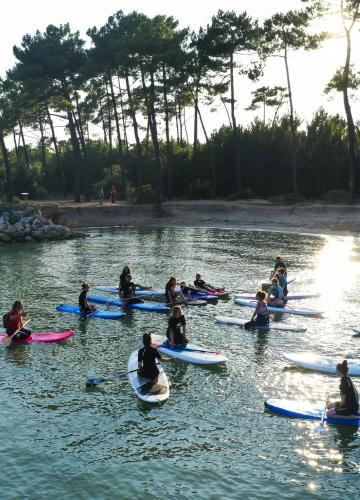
7 341
321 425
91 382
184 349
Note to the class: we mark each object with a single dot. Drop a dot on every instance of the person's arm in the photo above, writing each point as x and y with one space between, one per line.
172 338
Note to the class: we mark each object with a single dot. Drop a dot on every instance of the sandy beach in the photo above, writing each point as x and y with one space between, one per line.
250 214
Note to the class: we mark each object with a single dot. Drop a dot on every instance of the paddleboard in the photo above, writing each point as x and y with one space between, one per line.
98 314
308 411
142 387
290 296
356 330
228 320
326 364
120 303
279 310
190 354
42 337
112 289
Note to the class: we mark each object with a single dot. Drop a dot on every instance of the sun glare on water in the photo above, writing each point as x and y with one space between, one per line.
336 272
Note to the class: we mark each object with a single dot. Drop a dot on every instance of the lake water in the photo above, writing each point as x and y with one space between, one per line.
212 439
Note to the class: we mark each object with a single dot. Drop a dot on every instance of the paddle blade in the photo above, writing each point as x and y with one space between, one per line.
92 382
7 341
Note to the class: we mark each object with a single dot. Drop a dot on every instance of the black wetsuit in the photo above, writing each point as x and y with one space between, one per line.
200 283
148 357
347 389
174 326
85 307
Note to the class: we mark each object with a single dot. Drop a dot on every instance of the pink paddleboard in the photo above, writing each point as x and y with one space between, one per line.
42 337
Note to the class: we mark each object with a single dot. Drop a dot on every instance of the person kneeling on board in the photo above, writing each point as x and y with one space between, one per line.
85 307
128 292
176 331
261 315
14 321
349 403
147 357
276 297
122 280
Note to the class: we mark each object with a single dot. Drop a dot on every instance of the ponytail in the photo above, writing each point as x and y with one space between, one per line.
342 367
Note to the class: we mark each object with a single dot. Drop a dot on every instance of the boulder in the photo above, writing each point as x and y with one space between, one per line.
19 226
29 239
27 220
10 231
37 235
4 238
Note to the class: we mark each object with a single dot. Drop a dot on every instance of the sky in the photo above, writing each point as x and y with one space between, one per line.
310 71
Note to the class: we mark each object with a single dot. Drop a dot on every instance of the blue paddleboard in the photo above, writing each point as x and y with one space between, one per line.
308 411
98 314
120 303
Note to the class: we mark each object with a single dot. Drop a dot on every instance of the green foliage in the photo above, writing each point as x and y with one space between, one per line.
141 194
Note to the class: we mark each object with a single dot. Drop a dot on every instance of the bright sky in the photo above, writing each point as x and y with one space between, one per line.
310 71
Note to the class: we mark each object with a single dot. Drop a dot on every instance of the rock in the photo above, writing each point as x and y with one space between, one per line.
46 229
10 231
26 220
19 226
4 238
6 216
29 239
3 226
37 235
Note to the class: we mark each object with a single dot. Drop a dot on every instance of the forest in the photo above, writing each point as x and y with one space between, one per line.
138 80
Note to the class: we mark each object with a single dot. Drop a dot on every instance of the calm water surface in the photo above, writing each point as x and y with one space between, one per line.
212 438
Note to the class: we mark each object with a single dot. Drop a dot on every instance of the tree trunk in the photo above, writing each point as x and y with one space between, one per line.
123 119
202 125
117 126
150 105
9 186
292 128
167 135
103 124
185 128
109 117
15 144
79 123
239 184
195 144
24 145
180 124
350 121
59 163
136 131
42 143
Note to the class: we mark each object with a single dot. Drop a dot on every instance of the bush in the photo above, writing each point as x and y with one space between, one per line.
142 194
244 194
336 196
287 198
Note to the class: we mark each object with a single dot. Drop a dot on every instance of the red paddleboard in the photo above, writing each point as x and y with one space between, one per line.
42 337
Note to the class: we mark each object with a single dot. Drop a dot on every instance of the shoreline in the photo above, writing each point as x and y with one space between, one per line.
261 215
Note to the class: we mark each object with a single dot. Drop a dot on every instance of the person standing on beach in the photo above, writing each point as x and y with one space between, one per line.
113 194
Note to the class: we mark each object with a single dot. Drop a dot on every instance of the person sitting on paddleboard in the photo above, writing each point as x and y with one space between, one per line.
171 294
276 297
200 283
176 331
281 276
14 321
147 357
349 403
128 292
85 307
125 272
261 315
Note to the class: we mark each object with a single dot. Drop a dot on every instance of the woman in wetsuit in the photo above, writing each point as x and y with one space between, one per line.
260 316
176 331
123 275
170 293
147 357
349 402
85 308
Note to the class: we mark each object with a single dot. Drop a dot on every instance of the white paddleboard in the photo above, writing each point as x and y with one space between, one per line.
190 353
161 389
326 364
290 296
228 320
279 310
308 411
356 330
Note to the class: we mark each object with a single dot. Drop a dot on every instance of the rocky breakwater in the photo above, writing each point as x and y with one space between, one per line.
27 224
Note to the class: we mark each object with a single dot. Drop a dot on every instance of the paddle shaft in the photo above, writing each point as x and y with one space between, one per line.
93 381
8 340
